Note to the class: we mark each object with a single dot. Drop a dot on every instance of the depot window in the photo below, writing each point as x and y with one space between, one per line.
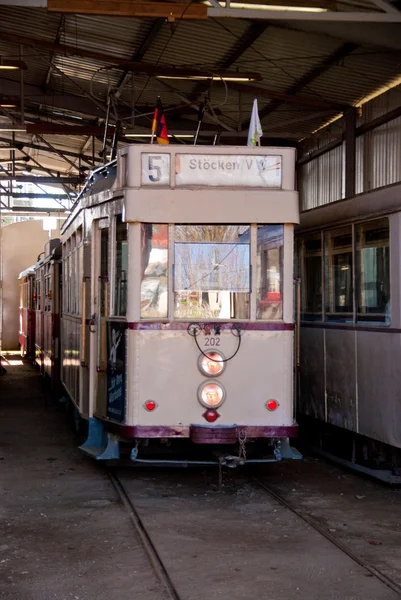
212 272
339 275
356 274
311 277
373 271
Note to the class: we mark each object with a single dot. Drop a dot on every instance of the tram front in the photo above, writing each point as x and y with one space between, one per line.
203 360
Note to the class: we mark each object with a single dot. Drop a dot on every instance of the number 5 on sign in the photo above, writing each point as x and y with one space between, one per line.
155 169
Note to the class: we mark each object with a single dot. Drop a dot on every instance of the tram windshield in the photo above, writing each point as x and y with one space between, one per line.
212 271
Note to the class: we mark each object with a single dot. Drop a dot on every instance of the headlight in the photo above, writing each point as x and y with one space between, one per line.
211 395
212 364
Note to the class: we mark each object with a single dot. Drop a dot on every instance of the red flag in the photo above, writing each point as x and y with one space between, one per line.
159 127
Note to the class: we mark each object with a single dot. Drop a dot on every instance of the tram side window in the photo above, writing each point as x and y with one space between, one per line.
311 278
339 275
212 272
373 271
38 291
154 271
120 296
270 241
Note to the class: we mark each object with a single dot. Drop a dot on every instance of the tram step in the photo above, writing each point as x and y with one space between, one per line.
100 444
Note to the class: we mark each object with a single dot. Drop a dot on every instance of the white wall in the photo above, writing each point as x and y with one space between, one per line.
21 243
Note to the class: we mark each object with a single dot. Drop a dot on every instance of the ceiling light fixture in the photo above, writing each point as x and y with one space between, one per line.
250 77
12 65
12 127
149 135
271 7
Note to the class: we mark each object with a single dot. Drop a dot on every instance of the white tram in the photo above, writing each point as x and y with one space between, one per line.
177 320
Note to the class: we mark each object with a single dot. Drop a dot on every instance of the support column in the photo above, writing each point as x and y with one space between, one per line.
350 152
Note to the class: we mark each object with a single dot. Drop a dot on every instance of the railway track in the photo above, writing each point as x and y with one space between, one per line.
184 514
168 590
388 581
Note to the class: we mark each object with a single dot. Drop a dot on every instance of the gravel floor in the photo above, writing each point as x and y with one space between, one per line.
64 534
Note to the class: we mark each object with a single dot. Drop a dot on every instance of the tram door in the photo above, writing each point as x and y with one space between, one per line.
101 309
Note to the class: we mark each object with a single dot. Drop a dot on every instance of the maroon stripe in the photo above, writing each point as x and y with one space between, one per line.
180 326
350 327
252 431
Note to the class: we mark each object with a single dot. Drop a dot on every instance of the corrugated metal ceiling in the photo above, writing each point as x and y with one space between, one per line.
281 55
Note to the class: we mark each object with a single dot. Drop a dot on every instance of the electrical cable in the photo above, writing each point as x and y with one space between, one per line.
196 327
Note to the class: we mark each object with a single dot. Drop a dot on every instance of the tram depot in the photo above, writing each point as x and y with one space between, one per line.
200 305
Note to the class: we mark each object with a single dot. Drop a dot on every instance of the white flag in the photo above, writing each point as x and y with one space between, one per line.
255 128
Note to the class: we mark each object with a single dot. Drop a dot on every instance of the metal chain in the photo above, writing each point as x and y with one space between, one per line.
242 442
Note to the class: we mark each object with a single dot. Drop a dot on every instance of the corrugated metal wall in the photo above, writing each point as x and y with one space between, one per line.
322 180
378 157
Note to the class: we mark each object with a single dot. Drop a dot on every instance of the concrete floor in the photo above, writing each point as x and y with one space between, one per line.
65 535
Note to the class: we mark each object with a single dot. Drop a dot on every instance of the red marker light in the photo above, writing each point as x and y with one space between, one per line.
211 416
271 404
150 405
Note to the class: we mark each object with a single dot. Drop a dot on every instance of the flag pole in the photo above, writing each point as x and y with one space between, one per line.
200 119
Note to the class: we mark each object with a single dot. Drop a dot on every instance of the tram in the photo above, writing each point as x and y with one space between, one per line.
177 324
47 313
348 262
27 319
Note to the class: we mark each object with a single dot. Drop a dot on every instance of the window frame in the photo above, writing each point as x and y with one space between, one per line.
356 320
253 292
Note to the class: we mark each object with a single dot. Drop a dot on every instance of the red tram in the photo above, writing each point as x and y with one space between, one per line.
26 312
47 313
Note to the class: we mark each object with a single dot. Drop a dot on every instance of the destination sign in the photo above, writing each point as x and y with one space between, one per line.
244 170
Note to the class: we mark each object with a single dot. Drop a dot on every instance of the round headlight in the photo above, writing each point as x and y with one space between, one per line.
211 364
211 395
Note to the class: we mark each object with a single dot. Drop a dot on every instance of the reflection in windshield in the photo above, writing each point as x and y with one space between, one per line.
269 274
154 252
212 272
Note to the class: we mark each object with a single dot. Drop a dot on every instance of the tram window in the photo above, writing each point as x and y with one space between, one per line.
212 271
311 277
373 271
38 299
154 271
104 271
120 297
270 240
79 235
339 275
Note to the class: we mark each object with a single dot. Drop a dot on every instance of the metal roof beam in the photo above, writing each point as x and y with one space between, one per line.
253 33
140 53
23 144
57 40
43 180
63 129
284 97
51 98
309 77
121 63
127 8
34 196
388 7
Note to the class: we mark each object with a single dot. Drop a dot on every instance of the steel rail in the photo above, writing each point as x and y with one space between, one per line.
146 541
388 581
